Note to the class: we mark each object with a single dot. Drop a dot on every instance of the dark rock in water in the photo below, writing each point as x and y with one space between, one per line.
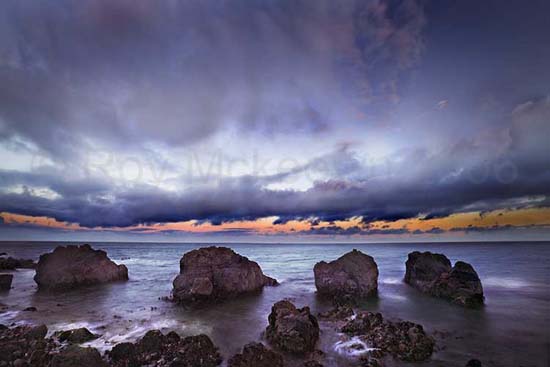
5 281
256 355
36 332
352 277
30 309
73 266
217 273
11 263
166 350
404 340
74 355
473 363
433 274
292 330
76 336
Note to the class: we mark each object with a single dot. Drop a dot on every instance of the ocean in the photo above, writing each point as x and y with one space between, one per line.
512 329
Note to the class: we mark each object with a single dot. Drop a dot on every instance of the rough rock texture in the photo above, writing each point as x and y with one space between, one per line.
25 344
10 263
156 349
216 273
432 274
256 355
76 336
351 277
473 363
5 281
74 355
292 330
73 266
404 340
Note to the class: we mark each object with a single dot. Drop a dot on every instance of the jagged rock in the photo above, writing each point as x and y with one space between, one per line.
157 349
25 346
432 274
5 281
74 355
404 340
352 277
76 336
217 273
337 313
73 266
256 355
292 330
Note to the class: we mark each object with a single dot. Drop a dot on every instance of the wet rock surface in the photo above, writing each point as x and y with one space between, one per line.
26 346
352 277
74 355
76 336
256 355
5 281
217 273
404 340
10 263
432 274
157 349
73 266
291 329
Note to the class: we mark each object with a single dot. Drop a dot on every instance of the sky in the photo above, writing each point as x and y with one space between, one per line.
274 120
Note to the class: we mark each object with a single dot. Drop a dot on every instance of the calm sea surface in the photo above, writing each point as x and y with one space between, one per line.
513 329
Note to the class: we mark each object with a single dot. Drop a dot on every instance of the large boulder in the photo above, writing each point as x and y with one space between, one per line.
256 355
291 329
72 266
352 277
402 339
5 281
217 273
432 274
76 336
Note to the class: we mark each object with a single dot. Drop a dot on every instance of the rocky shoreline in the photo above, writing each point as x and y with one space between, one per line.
216 274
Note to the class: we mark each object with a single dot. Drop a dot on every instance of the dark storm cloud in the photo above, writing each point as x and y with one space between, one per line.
518 177
126 73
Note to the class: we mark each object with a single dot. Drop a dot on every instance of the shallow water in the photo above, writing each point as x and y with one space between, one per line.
511 330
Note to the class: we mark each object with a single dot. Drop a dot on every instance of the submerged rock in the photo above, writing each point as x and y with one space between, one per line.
352 277
473 363
157 349
76 336
73 266
432 274
217 273
291 329
256 355
74 355
403 339
5 281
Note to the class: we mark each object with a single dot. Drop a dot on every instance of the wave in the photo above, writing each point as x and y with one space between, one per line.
391 281
353 347
508 283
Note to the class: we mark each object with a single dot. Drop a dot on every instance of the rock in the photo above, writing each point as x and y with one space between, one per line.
74 355
312 364
337 313
76 336
73 266
404 340
25 346
292 330
5 281
30 309
36 332
473 363
432 274
352 277
256 355
216 273
11 263
166 350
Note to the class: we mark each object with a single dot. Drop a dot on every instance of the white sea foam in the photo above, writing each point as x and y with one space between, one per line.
8 316
353 347
391 280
